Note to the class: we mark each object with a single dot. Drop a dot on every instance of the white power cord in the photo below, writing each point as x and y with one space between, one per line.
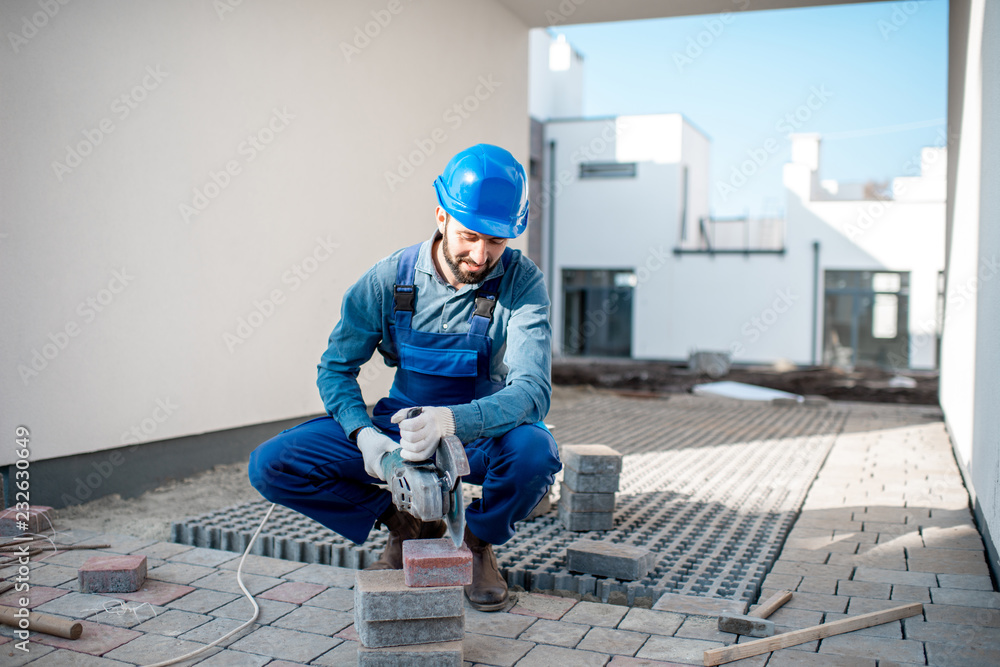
239 580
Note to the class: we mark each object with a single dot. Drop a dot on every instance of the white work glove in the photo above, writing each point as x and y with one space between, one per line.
421 435
374 444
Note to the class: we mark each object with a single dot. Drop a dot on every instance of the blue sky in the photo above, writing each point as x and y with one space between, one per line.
881 67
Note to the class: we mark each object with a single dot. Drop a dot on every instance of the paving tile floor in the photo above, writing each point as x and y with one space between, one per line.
885 522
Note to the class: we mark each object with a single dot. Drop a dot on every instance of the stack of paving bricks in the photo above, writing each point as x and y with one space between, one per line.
414 616
590 480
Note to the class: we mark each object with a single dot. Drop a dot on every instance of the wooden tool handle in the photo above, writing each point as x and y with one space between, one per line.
771 605
50 625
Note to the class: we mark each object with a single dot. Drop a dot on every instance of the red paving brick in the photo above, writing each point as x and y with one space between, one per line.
36 594
436 563
156 592
112 574
97 638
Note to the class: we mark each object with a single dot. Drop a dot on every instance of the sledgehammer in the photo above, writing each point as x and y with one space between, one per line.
753 623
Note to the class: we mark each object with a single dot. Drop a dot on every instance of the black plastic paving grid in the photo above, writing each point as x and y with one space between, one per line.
711 487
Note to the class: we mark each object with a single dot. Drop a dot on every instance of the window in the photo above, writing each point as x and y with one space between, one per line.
607 170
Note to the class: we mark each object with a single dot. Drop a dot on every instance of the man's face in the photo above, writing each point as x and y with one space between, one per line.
470 255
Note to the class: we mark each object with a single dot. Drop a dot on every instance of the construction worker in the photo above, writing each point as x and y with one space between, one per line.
464 319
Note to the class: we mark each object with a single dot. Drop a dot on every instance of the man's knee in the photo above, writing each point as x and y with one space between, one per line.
534 448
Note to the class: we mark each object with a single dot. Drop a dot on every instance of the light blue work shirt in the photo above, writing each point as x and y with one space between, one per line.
520 333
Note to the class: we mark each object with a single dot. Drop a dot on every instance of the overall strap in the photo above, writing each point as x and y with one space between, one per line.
486 298
404 293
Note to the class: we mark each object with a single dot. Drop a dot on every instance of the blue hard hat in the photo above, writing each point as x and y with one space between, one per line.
485 189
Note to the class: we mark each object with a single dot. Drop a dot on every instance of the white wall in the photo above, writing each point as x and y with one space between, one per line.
316 196
970 359
553 93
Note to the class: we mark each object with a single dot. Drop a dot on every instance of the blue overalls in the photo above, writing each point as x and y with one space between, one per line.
315 469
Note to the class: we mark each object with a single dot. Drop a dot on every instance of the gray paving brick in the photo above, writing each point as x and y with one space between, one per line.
497 624
786 582
162 550
966 598
592 613
202 601
941 613
490 650
694 604
377 634
591 459
805 555
606 640
271 567
582 483
892 630
811 601
676 649
235 659
947 633
58 658
790 658
179 573
52 575
904 593
813 570
883 576
856 644
969 582
217 628
315 619
609 559
328 575
225 581
206 557
173 622
956 655
75 605
343 655
445 654
704 627
241 610
382 595
285 644
556 633
651 621
339 599
547 656
864 589
823 585
148 649
586 502
583 521
122 614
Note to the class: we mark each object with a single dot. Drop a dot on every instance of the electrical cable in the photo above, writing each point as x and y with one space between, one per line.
239 580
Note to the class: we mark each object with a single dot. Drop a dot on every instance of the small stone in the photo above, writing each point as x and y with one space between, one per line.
436 563
112 574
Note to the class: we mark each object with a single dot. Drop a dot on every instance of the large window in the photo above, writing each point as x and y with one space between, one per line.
597 312
865 321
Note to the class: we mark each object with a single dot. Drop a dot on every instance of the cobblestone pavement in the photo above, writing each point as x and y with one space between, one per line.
885 522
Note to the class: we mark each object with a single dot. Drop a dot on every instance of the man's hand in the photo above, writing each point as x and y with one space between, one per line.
373 445
420 435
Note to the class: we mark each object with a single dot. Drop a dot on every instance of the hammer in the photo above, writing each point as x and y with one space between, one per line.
753 623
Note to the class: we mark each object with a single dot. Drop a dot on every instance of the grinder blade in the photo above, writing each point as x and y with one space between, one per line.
453 464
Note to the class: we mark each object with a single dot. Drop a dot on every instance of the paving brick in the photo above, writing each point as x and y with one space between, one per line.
947 633
882 576
891 630
965 598
954 537
498 651
592 613
864 589
59 658
271 567
147 649
382 595
822 585
496 624
39 595
378 634
969 582
704 627
787 582
235 659
583 483
446 654
591 459
875 556
339 599
607 640
286 644
609 559
123 614
586 502
316 620
344 655
694 604
556 633
790 658
546 656
206 557
868 605
164 550
904 593
224 580
795 618
436 562
157 593
216 629
179 573
202 601
74 605
676 649
295 592
583 521
97 639
538 605
811 601
328 575
52 575
941 613
956 655
805 555
112 574
241 609
856 644
650 621
36 519
813 570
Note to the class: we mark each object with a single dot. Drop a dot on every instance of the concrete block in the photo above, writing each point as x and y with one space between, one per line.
587 502
592 459
38 520
589 483
436 563
379 634
382 595
445 654
112 574
581 521
609 559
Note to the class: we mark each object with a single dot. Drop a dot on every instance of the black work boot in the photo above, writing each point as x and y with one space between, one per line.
402 527
488 590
